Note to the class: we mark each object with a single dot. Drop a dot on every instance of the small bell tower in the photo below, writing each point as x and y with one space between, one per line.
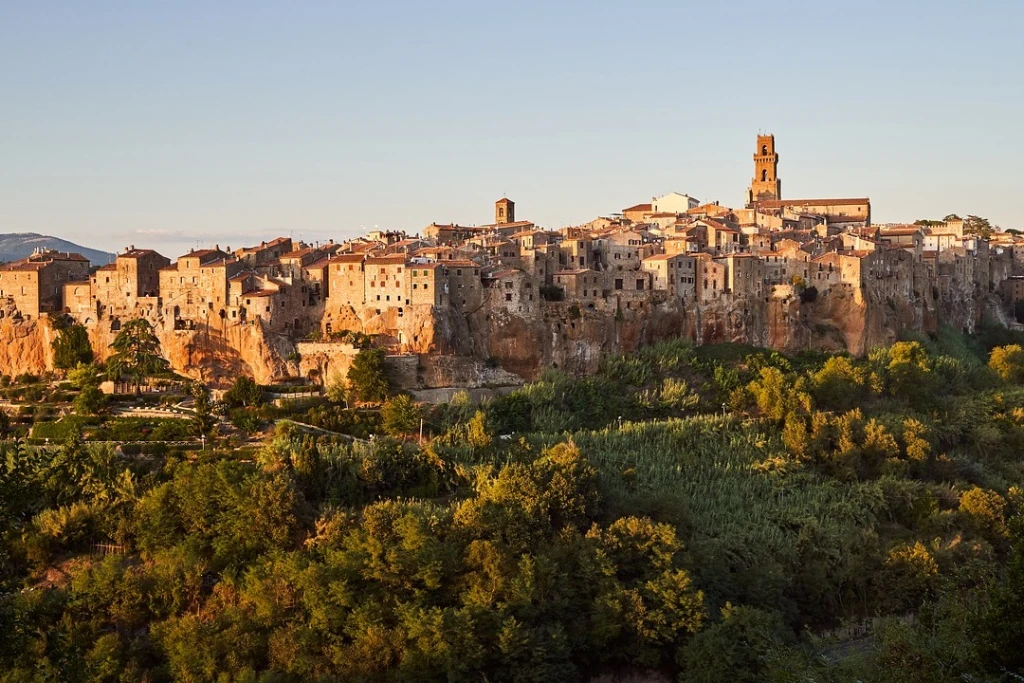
504 211
766 184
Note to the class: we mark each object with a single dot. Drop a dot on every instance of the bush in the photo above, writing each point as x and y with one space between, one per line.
244 393
552 293
809 295
400 415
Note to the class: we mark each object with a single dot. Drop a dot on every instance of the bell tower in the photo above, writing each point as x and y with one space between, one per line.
766 184
504 211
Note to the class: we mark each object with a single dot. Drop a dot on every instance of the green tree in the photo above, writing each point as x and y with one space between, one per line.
84 375
368 377
401 415
1008 362
90 401
734 649
477 434
71 345
907 368
839 384
136 353
204 421
976 225
245 392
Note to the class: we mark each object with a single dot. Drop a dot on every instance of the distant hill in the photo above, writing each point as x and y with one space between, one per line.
18 245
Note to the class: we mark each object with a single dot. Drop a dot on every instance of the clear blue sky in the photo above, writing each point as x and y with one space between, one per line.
171 124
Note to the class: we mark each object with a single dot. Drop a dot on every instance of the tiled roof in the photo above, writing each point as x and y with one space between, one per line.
392 259
780 203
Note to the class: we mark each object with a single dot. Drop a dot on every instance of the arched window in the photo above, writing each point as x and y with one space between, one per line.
764 150
764 174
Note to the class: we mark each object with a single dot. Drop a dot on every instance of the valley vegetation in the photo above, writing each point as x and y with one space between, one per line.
719 513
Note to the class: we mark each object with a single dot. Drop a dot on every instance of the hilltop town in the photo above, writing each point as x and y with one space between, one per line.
472 304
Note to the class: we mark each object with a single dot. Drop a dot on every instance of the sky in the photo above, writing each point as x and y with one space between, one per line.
172 125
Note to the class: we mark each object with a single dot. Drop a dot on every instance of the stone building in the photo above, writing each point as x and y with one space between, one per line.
264 252
465 289
766 184
710 278
35 284
129 287
513 291
744 274
504 211
673 273
195 289
429 284
581 284
386 283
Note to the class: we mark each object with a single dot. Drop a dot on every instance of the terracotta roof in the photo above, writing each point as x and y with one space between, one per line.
319 263
348 258
41 260
392 259
200 253
780 203
639 207
506 226
505 273
109 266
900 231
578 271
296 253
461 263
136 253
663 257
718 226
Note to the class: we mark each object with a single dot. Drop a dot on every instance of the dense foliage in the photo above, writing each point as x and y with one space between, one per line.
70 344
720 514
135 353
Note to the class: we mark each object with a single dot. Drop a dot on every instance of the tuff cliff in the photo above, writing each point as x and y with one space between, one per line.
494 346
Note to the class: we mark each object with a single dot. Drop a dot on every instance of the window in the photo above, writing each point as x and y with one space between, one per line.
508 296
618 283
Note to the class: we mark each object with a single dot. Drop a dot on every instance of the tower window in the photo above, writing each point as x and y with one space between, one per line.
764 174
764 150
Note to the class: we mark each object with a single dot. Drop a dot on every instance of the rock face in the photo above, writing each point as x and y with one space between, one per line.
493 347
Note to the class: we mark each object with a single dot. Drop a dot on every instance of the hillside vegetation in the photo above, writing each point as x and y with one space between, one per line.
713 514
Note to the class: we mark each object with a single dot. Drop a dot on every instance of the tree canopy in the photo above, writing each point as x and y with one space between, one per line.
136 353
71 345
367 377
